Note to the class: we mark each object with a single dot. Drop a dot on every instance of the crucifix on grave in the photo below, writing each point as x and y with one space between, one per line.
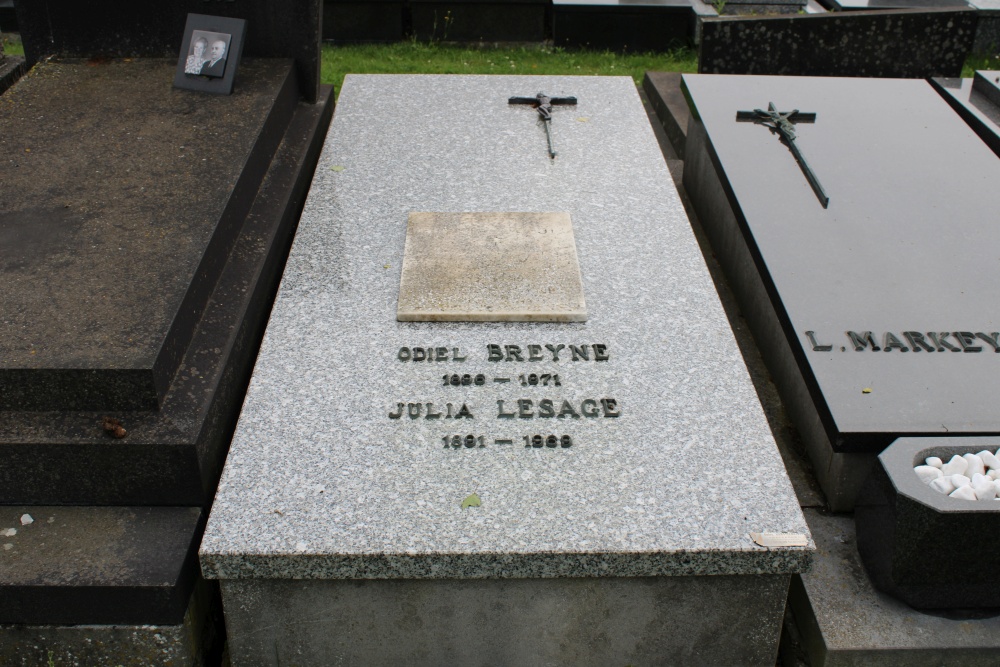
543 105
782 124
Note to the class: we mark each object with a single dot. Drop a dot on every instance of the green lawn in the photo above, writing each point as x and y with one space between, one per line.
13 48
422 58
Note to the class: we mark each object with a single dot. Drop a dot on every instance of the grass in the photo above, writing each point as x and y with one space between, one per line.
12 47
414 57
975 62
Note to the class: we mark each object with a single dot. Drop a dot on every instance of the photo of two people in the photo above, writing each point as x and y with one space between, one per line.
207 55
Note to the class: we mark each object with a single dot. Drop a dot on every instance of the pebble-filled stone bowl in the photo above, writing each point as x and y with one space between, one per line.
922 528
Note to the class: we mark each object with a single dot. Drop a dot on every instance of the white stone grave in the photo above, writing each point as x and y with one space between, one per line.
500 492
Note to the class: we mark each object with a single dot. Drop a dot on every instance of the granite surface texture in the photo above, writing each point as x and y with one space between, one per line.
904 43
323 482
846 622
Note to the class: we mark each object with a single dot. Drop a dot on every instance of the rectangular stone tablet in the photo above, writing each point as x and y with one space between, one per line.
490 267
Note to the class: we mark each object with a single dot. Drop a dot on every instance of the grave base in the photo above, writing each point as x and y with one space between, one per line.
843 621
839 474
11 69
194 642
709 620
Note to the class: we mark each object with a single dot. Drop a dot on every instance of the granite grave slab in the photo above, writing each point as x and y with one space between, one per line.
977 101
435 479
142 234
837 297
906 43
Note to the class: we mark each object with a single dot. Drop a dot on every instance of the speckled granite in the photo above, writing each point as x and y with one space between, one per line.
935 42
322 482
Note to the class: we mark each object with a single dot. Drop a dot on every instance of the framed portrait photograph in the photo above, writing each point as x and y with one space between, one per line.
210 53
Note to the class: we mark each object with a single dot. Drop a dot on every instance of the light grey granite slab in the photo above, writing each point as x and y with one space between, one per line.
671 464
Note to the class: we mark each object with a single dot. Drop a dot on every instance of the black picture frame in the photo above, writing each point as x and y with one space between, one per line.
212 78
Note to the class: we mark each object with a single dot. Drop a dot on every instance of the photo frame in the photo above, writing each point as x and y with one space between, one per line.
210 53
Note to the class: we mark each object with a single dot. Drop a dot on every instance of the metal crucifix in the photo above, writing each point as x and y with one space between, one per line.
781 123
543 105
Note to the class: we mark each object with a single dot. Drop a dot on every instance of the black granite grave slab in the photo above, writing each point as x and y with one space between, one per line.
363 20
107 565
479 20
978 105
171 455
906 43
624 25
910 535
121 28
872 314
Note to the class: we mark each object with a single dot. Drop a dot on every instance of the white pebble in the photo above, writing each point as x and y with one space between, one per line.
26 519
994 473
975 465
934 462
956 466
943 485
985 490
927 474
963 493
9 532
960 480
989 459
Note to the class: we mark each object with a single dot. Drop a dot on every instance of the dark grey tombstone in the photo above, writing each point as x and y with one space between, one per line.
479 20
906 43
352 21
126 29
977 101
143 230
626 25
922 546
873 314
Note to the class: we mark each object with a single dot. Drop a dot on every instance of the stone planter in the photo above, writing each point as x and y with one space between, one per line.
921 546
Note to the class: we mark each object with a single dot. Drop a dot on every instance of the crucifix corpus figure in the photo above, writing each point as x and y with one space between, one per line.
782 124
543 105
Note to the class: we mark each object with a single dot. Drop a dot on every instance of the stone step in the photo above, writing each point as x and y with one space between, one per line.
172 456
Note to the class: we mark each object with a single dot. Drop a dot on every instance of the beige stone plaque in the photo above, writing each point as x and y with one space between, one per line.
490 267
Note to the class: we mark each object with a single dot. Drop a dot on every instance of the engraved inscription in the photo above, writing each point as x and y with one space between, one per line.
511 410
907 341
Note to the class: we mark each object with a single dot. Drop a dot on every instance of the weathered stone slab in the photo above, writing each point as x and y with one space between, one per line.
490 267
845 622
497 451
832 293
